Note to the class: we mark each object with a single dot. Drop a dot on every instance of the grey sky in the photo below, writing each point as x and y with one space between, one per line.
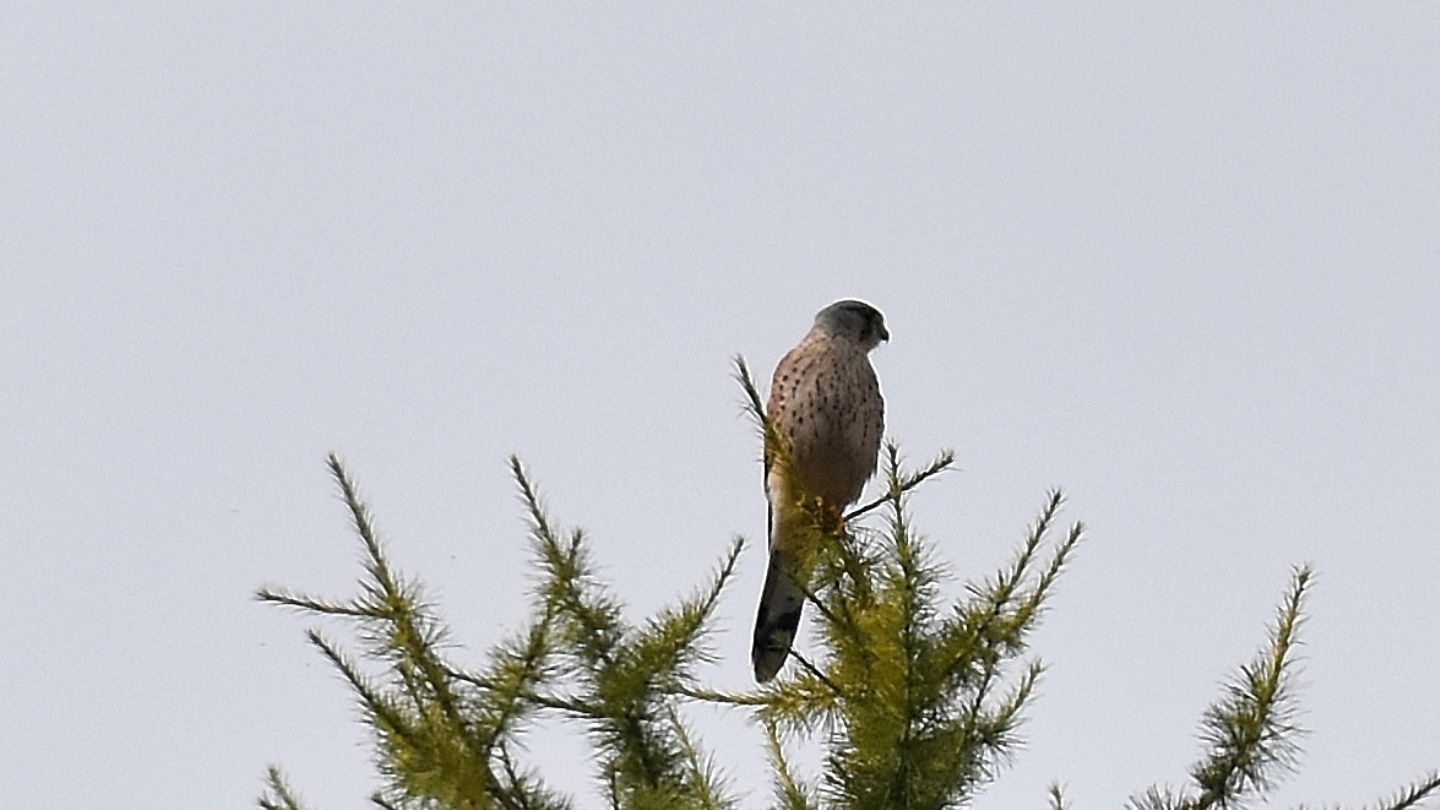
1183 262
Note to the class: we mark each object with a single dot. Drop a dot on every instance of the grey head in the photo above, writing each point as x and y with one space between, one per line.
855 320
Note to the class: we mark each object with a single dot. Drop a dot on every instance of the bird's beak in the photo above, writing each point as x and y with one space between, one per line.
884 333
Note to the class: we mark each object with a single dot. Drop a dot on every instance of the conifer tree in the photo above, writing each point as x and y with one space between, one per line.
915 703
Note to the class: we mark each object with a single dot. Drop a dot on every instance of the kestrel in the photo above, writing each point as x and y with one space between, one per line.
825 405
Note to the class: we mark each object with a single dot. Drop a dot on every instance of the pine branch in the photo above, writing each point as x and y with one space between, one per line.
591 618
389 719
421 758
672 642
395 621
1031 605
383 803
1414 794
436 730
706 787
1001 612
1251 731
523 790
1156 798
790 792
754 405
997 595
622 680
309 604
707 695
942 462
801 703
516 669
1056 793
279 795
996 728
777 449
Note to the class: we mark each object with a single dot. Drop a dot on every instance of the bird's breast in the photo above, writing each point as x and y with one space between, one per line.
830 411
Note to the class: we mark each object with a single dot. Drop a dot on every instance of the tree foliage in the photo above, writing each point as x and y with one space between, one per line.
916 702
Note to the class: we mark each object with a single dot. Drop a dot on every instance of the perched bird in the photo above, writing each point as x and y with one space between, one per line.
825 407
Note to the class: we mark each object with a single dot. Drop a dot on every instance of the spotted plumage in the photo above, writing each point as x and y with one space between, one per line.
826 407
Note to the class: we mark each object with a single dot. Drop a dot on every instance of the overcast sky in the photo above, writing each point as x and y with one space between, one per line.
1183 263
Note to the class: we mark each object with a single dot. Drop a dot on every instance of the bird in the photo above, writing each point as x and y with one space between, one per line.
827 415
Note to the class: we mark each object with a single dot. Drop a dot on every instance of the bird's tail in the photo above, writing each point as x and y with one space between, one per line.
781 602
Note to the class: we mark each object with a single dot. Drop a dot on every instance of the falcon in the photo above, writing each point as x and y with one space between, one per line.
826 409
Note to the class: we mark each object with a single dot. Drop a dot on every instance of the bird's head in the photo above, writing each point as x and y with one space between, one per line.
855 320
